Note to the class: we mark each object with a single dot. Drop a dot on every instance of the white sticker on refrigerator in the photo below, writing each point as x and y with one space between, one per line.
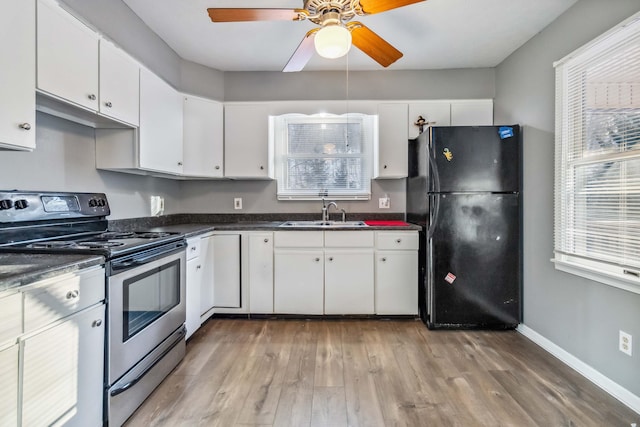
450 278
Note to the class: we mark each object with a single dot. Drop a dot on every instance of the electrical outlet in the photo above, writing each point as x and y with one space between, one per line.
384 203
237 203
625 343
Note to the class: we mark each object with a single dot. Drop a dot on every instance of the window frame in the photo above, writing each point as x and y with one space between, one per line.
571 137
279 140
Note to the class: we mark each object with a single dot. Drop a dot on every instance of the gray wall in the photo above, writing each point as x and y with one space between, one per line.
581 316
64 160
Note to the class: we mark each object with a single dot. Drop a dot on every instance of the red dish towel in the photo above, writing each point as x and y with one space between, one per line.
386 223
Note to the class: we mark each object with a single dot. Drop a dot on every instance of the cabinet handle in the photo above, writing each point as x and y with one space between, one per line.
384 167
198 267
330 258
24 126
92 97
72 294
398 240
261 167
96 323
217 167
179 163
317 259
193 248
384 260
108 104
266 240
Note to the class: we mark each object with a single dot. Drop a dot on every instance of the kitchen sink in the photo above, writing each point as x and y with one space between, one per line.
323 224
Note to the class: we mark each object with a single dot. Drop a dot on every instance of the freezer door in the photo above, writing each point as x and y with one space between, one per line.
474 271
475 158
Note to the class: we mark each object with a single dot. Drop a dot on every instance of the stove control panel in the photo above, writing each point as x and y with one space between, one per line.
23 206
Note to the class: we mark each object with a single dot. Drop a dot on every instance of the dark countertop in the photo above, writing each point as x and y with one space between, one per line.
18 269
190 230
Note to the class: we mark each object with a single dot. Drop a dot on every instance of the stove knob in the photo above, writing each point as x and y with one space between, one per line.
21 204
6 204
101 202
93 203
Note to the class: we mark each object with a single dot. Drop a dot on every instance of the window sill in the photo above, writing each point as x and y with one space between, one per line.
607 274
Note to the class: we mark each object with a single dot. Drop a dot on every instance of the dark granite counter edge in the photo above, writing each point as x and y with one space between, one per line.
40 267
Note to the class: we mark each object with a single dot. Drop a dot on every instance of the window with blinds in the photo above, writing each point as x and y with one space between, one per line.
597 175
324 156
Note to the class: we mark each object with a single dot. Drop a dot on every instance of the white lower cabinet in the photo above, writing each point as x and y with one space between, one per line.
396 267
9 386
226 270
63 366
199 281
298 281
348 281
260 268
194 282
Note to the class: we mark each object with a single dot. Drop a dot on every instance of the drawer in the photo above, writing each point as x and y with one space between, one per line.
53 299
390 240
298 239
193 248
348 239
10 316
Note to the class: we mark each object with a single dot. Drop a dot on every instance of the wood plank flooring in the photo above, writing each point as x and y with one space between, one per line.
368 373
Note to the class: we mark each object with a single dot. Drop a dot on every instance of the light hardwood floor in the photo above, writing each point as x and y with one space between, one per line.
240 372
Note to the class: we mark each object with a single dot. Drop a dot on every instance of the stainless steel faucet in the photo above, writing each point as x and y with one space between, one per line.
325 209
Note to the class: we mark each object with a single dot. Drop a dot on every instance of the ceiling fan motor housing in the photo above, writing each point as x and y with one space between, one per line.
330 12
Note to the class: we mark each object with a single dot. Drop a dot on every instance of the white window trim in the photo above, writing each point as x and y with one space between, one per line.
614 275
277 140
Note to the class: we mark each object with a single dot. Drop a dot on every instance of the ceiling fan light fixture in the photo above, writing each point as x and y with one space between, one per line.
332 41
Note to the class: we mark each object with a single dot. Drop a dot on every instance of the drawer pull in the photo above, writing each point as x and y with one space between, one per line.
398 240
198 267
72 294
384 260
193 248
108 104
631 273
266 240
317 259
24 126
96 323
330 258
91 97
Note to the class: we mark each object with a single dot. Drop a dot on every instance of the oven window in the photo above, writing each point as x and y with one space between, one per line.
148 296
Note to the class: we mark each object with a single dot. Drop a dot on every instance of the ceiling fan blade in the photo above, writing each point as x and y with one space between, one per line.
377 6
373 45
245 14
303 53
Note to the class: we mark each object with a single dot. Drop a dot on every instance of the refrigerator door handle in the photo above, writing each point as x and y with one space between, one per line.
434 173
433 214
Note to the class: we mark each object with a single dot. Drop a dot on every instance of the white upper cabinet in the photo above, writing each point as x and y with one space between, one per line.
17 80
246 141
119 84
67 56
472 113
438 113
390 156
160 144
203 138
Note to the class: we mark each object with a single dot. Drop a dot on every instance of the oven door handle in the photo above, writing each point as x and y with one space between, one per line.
135 262
136 380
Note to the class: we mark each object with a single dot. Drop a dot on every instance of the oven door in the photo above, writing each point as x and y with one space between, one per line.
146 305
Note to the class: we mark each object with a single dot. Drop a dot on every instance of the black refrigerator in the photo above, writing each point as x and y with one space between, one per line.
464 188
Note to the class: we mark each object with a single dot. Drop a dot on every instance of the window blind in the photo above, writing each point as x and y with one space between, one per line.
324 156
597 169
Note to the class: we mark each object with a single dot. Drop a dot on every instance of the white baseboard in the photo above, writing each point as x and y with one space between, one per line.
611 387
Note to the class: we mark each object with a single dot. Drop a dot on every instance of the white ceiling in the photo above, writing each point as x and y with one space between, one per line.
434 34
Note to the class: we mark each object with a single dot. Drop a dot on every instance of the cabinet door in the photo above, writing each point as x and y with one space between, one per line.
67 56
472 113
206 281
298 281
160 144
17 81
226 270
438 113
9 386
246 141
397 282
203 137
261 272
348 281
392 151
63 372
194 282
119 84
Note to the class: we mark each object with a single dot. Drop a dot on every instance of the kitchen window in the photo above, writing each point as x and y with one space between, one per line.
597 172
324 156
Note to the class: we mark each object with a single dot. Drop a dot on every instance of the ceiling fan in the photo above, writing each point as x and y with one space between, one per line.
336 33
